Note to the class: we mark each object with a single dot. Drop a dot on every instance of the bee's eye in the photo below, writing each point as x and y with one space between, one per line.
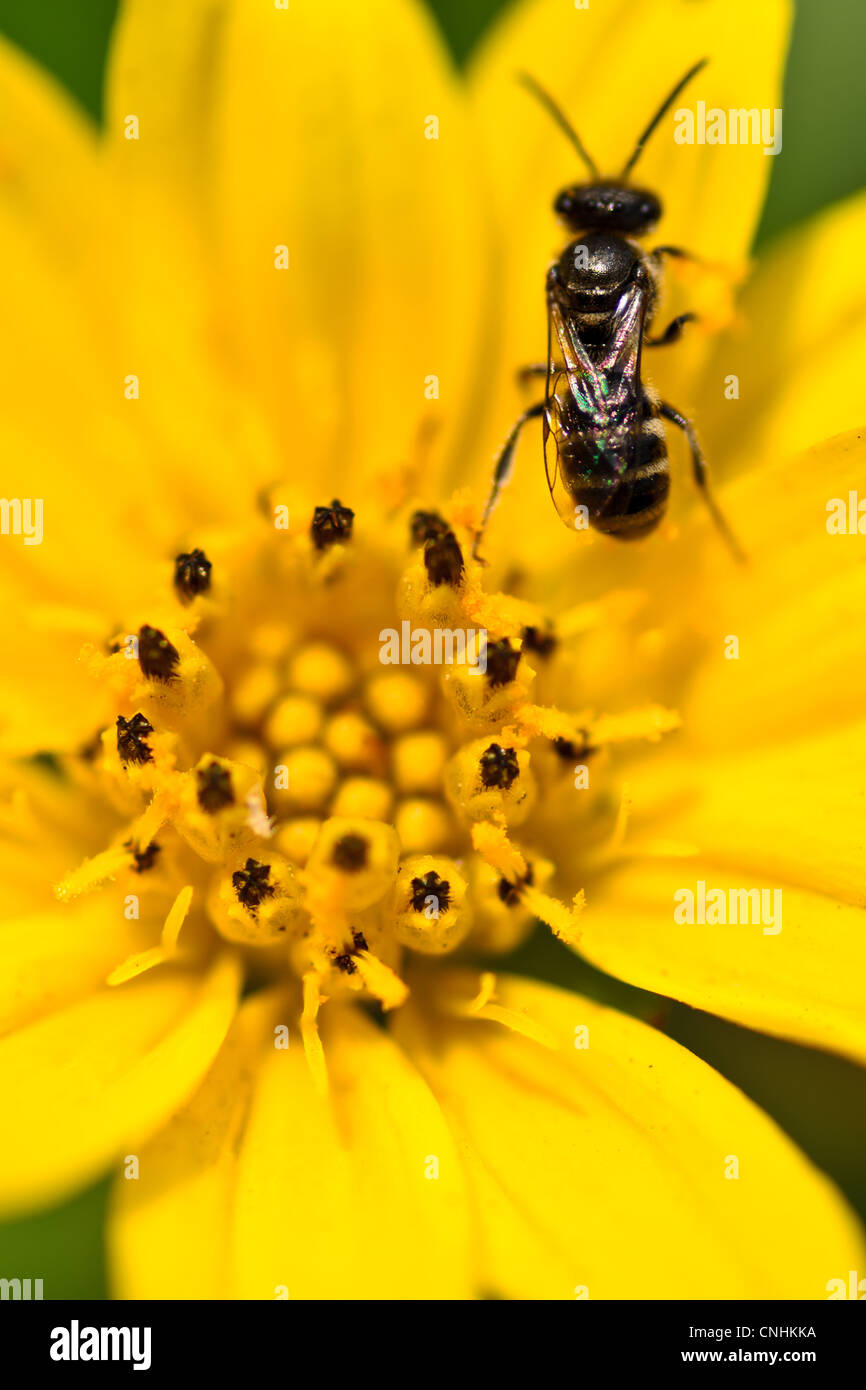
564 205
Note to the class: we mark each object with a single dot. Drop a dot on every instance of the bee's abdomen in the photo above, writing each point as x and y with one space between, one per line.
638 503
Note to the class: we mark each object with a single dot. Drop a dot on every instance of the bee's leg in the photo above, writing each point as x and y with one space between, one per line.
673 332
502 471
525 374
699 467
677 252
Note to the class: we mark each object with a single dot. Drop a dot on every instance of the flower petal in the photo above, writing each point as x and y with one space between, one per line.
358 1195
797 610
804 982
790 813
236 104
797 348
610 1168
55 957
83 1085
181 1197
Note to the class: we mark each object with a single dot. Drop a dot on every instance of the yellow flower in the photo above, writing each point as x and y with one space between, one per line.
266 328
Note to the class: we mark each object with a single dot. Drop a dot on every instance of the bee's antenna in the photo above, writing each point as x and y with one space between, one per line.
559 116
663 109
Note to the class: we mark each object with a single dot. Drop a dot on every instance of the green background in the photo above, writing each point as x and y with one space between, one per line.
820 1100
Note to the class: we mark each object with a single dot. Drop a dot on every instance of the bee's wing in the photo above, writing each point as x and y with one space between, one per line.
605 392
555 433
606 389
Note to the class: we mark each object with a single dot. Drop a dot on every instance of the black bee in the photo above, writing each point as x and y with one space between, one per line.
604 440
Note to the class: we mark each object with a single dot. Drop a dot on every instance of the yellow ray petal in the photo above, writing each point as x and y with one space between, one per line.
803 982
359 1197
796 611
52 958
797 349
792 812
602 1170
302 1197
48 157
237 105
181 1198
93 1081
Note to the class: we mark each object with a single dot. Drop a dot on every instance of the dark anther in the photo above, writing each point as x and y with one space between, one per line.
156 656
331 524
131 739
431 886
568 749
510 892
502 661
350 853
144 858
499 767
191 575
539 641
344 960
214 788
443 559
251 884
425 526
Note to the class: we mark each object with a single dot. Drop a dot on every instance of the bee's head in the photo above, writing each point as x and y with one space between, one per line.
609 207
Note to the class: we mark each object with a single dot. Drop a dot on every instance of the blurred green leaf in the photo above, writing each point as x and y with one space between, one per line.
62 1247
69 40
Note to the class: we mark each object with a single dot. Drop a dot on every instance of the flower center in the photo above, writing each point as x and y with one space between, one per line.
284 789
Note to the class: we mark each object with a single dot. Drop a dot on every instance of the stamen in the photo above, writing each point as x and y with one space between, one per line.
350 853
143 858
426 526
214 788
156 655
492 843
510 892
251 884
443 560
650 723
538 641
345 960
431 885
568 749
92 873
499 767
562 920
502 662
482 1006
313 1050
331 524
166 951
131 739
381 980
191 575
